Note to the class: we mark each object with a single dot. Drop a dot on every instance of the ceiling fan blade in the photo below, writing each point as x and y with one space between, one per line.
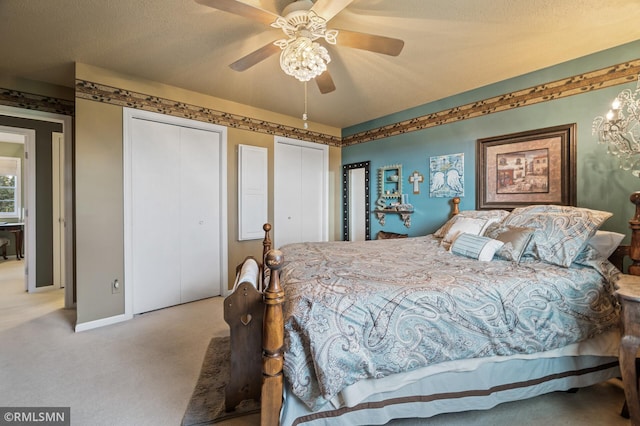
241 9
254 57
327 9
374 43
325 83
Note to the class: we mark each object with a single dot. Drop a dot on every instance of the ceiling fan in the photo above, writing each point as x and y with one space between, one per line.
303 22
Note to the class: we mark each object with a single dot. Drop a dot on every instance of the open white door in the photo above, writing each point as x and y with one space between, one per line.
59 223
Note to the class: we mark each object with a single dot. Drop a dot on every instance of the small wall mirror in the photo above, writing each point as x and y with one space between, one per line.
390 183
355 201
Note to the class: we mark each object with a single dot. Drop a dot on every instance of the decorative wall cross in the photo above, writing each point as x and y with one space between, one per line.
416 178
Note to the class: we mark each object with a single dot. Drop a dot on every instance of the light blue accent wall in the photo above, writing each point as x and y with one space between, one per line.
600 183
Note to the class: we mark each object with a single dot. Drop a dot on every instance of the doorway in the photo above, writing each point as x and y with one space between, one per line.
37 129
16 144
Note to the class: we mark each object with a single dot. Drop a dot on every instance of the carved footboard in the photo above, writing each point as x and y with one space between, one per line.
243 311
254 314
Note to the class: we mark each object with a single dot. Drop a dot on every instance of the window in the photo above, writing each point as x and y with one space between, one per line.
10 187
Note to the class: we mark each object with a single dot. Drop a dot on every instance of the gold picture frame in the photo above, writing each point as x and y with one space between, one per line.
531 167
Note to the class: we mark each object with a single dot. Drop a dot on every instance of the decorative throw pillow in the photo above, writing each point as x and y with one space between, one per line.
475 246
491 216
515 240
561 231
464 224
442 231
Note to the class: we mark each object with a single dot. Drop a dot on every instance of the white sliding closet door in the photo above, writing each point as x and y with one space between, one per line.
155 215
176 217
288 195
301 194
200 192
313 180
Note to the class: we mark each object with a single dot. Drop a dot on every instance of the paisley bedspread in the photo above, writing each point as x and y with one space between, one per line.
369 309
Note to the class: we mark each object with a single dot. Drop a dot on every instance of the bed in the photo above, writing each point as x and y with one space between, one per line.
495 306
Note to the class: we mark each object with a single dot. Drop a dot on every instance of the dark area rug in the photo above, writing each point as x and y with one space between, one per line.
206 406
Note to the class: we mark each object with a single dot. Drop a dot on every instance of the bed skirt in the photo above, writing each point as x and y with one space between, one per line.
479 385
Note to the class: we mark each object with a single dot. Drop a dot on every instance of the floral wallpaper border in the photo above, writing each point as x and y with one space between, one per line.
126 98
17 99
606 77
578 84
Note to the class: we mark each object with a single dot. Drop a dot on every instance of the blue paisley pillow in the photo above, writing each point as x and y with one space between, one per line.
561 231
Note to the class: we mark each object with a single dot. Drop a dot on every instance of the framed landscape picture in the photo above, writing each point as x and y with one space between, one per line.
532 167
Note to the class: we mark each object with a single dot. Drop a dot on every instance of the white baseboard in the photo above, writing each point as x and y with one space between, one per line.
102 322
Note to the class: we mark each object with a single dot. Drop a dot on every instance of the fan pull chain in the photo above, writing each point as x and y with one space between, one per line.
304 116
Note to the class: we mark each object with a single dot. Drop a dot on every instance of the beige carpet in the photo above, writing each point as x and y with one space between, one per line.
138 372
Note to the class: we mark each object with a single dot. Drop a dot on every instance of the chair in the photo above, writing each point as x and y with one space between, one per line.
4 243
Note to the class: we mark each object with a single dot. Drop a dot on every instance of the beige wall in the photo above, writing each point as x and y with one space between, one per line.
335 191
99 194
99 210
42 89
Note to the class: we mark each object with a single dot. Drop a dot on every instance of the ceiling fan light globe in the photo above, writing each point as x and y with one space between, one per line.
304 59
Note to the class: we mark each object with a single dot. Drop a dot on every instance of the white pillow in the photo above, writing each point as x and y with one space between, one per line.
605 242
467 225
475 246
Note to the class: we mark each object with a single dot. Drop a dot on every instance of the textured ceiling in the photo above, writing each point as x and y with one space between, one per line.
450 47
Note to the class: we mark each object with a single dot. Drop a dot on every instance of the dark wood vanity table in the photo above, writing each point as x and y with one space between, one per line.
17 229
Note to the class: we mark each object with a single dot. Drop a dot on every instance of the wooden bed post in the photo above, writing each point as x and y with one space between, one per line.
456 206
272 342
266 246
634 224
